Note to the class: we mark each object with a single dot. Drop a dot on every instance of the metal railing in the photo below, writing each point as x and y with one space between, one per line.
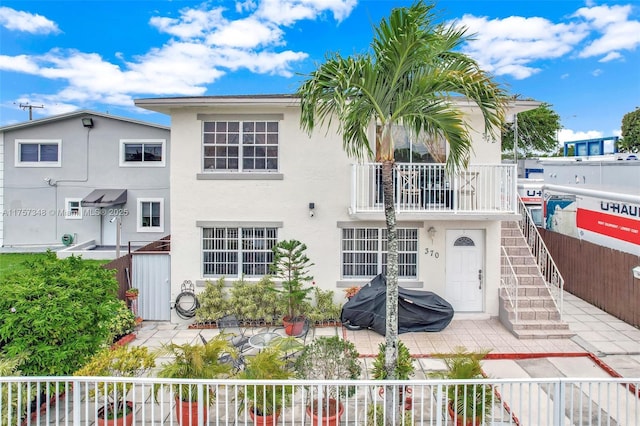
550 273
71 401
429 188
509 282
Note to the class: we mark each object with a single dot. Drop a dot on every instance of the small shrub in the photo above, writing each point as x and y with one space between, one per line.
122 323
213 302
325 308
254 301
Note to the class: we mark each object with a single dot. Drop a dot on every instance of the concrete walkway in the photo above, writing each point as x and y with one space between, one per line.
614 345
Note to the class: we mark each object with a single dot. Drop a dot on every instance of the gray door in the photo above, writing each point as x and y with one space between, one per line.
152 276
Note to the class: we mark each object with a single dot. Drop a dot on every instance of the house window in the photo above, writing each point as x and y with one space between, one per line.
38 153
150 215
142 153
242 146
73 208
236 252
364 252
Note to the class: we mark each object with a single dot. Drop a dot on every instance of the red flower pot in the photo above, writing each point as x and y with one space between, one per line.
258 420
187 413
461 421
331 413
126 420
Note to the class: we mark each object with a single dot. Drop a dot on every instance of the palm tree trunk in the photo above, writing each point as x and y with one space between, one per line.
391 332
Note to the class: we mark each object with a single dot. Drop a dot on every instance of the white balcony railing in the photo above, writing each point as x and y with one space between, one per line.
553 401
428 188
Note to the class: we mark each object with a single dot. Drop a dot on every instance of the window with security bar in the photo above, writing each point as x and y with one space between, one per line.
364 252
237 252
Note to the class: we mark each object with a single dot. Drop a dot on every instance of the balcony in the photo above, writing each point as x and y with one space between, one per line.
428 190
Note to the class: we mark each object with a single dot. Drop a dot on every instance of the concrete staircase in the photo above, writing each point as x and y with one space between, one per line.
538 317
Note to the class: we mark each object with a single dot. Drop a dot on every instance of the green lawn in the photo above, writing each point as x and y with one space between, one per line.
11 262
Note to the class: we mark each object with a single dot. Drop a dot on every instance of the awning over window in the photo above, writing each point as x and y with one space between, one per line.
105 198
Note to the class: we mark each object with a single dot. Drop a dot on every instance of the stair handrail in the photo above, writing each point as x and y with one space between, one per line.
509 282
551 275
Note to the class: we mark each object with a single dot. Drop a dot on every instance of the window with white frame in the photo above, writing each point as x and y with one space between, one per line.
242 146
364 252
150 215
142 152
236 252
73 208
38 153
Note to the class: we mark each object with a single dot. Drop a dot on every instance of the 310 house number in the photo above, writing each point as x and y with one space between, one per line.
432 253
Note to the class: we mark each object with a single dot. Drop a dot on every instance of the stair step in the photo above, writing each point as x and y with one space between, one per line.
533 314
543 334
526 259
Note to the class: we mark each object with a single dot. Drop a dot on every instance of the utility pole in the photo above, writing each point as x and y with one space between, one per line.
26 106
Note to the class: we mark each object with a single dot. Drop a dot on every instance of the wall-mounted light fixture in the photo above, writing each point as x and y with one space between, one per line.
432 232
312 207
87 122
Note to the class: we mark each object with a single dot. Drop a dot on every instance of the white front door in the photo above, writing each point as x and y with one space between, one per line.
465 269
109 230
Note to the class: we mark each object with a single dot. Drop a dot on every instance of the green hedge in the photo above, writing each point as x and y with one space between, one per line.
57 313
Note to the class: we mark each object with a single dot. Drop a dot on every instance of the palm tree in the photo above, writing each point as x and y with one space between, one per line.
409 78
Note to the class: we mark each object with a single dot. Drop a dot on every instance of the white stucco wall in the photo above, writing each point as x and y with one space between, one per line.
314 169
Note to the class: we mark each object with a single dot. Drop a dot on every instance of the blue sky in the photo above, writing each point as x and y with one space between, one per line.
582 57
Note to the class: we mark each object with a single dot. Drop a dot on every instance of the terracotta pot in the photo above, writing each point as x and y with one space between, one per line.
331 417
259 420
131 295
407 401
187 413
293 327
460 421
120 421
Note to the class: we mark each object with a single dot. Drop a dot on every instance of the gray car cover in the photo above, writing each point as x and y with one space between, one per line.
417 310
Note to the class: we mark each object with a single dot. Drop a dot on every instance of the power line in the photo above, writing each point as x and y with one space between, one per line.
26 106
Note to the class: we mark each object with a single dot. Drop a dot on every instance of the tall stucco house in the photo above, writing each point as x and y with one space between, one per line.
84 178
244 175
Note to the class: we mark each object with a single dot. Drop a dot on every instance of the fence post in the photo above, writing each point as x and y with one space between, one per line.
77 406
559 394
440 405
202 405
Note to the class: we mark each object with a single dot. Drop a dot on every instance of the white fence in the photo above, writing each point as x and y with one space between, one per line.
564 401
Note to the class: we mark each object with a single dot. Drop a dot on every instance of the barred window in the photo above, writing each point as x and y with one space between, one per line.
242 146
234 252
364 252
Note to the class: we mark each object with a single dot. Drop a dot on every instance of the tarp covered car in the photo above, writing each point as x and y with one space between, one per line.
417 310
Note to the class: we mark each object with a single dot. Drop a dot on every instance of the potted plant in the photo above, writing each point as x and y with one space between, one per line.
468 404
195 361
111 397
266 401
291 264
131 293
404 369
329 358
351 291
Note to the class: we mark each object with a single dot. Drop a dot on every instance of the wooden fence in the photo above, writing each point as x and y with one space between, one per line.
599 275
122 265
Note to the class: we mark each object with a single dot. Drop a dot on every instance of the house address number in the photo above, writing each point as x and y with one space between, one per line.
432 253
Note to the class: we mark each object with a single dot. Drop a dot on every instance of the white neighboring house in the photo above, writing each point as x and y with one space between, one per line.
74 179
244 175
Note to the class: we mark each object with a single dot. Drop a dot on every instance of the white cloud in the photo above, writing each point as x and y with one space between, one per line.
597 72
511 46
15 20
568 135
287 12
246 33
617 32
204 46
611 56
